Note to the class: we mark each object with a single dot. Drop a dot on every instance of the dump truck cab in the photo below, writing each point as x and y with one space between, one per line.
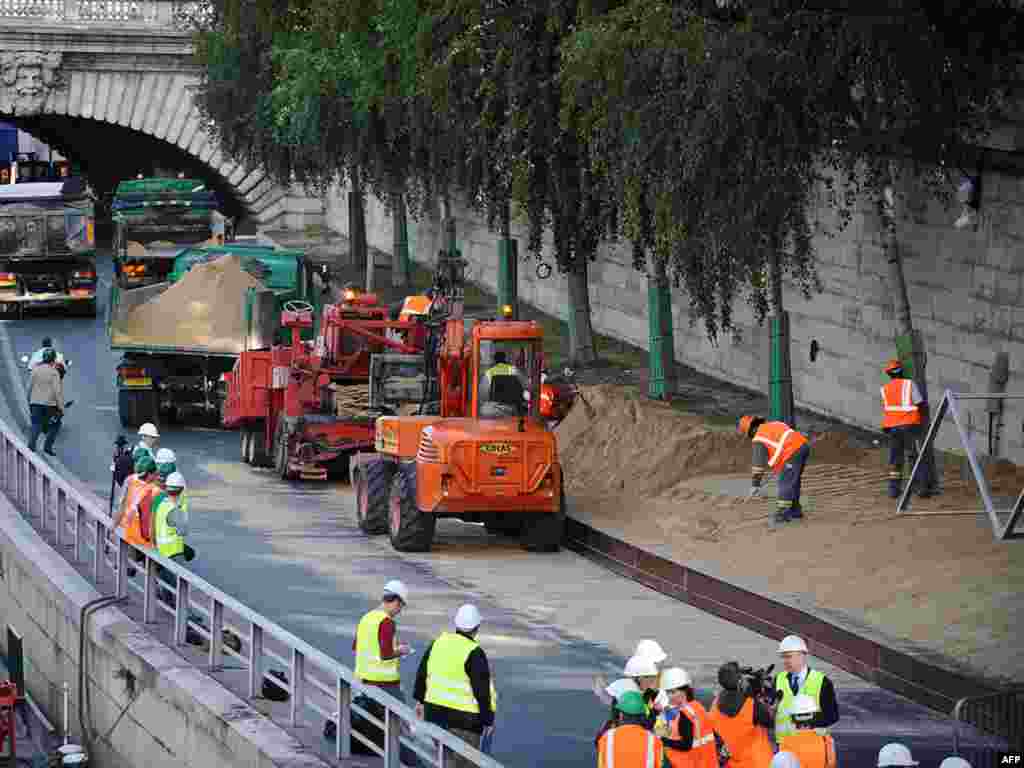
486 457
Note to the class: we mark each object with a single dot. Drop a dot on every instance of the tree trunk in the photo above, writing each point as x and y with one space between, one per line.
401 270
661 379
781 370
582 347
909 343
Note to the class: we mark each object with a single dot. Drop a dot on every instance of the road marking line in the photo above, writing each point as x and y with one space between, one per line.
106 407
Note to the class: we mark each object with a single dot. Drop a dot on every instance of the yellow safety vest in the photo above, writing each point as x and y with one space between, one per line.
501 369
448 685
369 665
168 541
811 686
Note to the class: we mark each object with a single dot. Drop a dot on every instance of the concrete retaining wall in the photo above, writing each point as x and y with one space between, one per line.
965 292
178 716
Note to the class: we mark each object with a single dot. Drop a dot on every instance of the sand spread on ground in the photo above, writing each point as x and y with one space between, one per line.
206 309
664 477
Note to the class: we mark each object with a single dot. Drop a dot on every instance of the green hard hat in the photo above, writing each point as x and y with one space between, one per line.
166 469
631 703
145 465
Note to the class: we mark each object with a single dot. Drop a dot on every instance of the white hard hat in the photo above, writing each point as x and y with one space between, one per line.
398 589
674 677
651 650
785 760
640 666
165 456
148 430
803 705
621 686
467 618
792 643
954 762
175 480
895 754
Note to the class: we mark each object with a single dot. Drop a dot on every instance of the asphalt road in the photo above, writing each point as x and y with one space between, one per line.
294 553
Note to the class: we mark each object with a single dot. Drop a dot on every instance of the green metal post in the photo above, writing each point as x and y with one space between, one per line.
508 269
781 375
661 346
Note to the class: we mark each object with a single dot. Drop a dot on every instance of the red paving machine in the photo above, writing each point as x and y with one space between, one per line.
304 408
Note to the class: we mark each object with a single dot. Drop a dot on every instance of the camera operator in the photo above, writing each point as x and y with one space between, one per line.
741 717
797 678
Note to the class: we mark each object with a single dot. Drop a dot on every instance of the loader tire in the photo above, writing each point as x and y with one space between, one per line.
544 532
258 454
508 524
410 529
372 484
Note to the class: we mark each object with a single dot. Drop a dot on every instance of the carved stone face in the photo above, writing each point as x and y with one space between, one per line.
29 77
29 85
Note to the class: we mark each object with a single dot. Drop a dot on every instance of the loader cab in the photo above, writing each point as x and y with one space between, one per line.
506 361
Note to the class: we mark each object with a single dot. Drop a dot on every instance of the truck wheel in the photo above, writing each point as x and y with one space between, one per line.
372 484
258 455
543 532
410 529
281 452
246 439
505 525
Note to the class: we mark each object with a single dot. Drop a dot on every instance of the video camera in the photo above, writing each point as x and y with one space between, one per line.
759 683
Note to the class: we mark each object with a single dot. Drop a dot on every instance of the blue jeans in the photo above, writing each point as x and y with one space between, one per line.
44 421
792 474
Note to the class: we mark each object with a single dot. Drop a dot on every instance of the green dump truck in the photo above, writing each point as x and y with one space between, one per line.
175 382
154 219
47 246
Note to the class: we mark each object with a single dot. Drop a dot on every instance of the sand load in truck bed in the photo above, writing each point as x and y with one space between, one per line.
205 309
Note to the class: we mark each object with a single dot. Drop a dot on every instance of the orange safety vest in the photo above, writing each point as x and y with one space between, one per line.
414 305
782 441
138 499
813 750
629 746
898 408
704 753
748 744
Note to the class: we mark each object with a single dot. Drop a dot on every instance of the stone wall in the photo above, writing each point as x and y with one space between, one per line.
964 288
178 717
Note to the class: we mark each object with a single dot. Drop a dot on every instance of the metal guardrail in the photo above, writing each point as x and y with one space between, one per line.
82 532
997 714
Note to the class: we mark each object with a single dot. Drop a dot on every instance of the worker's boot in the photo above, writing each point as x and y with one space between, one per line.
895 481
781 511
795 512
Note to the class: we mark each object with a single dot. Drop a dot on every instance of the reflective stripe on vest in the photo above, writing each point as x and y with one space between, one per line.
609 749
775 435
448 685
369 665
168 541
898 408
703 753
811 686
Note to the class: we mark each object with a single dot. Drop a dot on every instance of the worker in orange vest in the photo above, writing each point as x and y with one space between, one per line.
812 748
903 413
741 721
684 725
629 743
778 447
134 516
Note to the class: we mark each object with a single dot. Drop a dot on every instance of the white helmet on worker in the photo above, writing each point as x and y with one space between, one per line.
673 678
895 754
621 686
791 643
785 760
467 618
165 456
803 707
954 762
651 650
640 666
148 430
175 481
397 589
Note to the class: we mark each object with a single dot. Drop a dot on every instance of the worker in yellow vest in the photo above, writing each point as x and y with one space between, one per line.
453 684
904 411
170 520
797 678
812 749
376 645
779 447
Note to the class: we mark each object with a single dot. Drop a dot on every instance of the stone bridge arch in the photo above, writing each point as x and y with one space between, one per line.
123 63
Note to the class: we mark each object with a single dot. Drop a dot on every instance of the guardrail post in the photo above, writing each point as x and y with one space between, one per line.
392 739
255 660
343 701
441 761
298 698
78 529
149 595
121 568
216 633
181 612
99 540
52 497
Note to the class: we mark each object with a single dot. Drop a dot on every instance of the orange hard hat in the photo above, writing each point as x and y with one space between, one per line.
744 426
893 365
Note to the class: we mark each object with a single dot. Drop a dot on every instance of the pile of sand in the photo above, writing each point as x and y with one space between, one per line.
206 308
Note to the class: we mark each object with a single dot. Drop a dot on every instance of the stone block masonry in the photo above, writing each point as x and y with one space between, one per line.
964 286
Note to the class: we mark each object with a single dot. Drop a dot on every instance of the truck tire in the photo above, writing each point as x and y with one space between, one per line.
505 524
372 483
410 529
281 452
246 439
259 456
544 532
